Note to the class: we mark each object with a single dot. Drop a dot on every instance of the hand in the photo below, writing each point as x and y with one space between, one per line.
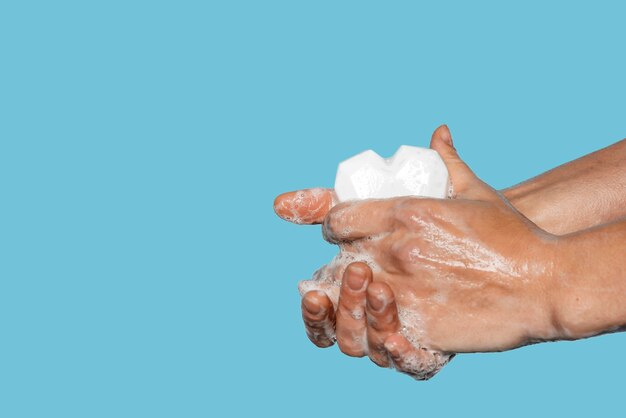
367 323
310 207
471 273
544 199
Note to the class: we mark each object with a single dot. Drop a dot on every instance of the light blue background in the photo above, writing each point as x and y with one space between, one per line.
142 270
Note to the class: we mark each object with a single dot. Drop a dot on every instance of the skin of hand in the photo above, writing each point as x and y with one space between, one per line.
473 271
321 317
311 207
367 322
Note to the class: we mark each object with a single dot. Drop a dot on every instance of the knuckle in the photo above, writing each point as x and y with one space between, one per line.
333 224
317 321
336 225
403 251
346 304
350 306
413 211
313 323
349 312
405 212
357 313
373 325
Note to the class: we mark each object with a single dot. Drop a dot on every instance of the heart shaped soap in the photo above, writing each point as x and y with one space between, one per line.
412 171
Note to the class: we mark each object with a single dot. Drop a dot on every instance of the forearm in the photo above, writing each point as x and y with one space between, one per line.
577 195
588 287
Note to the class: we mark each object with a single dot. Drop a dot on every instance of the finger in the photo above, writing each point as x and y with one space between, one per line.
464 182
319 318
308 206
418 363
351 324
354 220
382 321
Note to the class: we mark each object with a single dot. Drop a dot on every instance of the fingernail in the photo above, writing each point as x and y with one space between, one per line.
311 307
377 302
356 281
445 135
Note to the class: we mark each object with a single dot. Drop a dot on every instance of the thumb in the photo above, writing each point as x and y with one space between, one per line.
465 184
308 206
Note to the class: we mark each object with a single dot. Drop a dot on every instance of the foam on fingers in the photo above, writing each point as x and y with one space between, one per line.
382 321
351 323
418 362
305 207
318 315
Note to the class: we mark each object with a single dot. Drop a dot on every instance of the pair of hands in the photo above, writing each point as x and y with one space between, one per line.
456 275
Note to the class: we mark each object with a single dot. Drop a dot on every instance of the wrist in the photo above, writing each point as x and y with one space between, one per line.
548 206
530 199
544 300
585 298
567 302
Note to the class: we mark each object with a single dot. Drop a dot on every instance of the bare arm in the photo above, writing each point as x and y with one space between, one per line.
577 195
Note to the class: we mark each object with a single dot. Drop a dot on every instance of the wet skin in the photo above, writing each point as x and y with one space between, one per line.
477 273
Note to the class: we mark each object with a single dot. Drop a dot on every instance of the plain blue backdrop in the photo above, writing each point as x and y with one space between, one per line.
142 269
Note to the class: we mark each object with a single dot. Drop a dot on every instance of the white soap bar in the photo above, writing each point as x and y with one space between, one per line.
412 171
